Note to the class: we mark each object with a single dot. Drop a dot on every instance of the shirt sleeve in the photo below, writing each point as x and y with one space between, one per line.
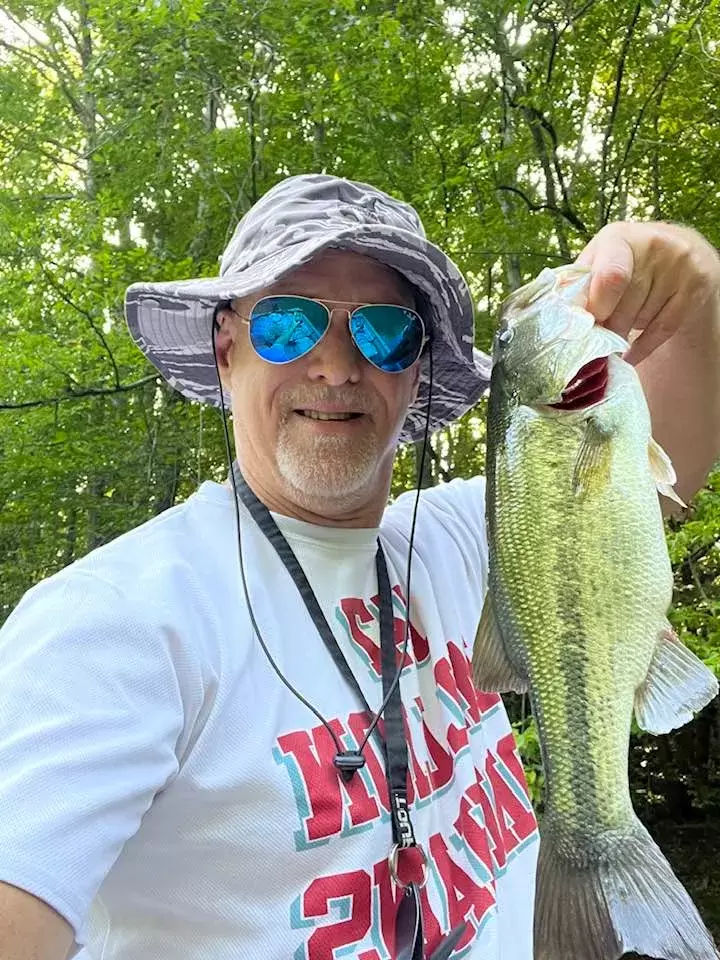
458 509
93 704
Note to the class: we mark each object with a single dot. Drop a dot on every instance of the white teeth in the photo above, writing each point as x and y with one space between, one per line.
316 415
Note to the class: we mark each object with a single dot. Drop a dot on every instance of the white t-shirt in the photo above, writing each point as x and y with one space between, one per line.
165 793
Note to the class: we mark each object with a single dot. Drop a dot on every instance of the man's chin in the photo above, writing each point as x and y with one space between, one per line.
329 468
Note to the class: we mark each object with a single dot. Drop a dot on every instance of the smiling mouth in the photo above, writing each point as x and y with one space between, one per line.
318 415
587 387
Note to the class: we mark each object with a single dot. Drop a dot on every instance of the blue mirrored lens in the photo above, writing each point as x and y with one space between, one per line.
389 337
285 328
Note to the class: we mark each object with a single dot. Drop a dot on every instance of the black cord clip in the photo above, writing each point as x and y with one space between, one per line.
348 762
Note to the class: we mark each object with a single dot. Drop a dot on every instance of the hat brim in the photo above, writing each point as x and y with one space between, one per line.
171 321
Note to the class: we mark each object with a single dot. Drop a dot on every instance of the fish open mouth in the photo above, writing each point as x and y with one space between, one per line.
588 386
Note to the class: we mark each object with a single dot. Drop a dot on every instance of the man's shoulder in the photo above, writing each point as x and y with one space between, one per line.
455 499
450 523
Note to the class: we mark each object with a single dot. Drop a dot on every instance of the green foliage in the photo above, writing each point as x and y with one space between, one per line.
526 737
679 775
694 546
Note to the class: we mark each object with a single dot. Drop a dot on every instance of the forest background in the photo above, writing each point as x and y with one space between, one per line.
134 135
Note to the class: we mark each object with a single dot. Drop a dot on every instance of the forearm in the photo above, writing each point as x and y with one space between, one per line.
681 379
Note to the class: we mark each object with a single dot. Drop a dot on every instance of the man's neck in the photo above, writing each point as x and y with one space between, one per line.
366 512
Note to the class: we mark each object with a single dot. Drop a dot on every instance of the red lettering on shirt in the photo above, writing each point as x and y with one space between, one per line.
477 794
516 821
359 615
508 752
316 902
475 835
464 895
466 903
313 752
442 759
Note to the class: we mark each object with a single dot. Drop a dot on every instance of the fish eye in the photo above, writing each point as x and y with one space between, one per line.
506 336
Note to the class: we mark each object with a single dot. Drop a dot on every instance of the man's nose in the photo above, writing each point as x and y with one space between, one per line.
336 359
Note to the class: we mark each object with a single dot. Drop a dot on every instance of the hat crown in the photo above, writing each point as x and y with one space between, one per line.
304 207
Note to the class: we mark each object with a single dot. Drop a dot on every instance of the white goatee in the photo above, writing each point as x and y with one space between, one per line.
332 466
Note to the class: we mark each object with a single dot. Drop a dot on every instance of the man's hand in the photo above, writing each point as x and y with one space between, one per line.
664 280
654 277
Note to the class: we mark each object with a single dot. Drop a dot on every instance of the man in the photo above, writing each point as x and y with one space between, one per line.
176 725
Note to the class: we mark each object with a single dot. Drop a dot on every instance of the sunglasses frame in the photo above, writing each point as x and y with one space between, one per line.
329 310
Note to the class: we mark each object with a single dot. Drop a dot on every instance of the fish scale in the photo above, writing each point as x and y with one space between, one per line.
579 587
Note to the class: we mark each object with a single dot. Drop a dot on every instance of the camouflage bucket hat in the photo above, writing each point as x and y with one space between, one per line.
293 222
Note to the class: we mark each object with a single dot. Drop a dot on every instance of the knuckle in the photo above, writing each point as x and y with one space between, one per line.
683 250
615 276
665 326
661 235
702 280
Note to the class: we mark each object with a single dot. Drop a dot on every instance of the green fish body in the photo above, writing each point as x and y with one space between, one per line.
579 588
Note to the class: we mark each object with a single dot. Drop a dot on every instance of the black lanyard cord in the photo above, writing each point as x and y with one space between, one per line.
394 743
396 680
256 629
265 521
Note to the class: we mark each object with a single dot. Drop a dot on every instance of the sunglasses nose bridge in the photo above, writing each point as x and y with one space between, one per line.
333 310
336 357
344 327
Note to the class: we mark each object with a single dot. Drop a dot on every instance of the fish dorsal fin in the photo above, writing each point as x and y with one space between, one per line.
493 671
592 466
662 471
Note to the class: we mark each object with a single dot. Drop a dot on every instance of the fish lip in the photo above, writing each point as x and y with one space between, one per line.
549 280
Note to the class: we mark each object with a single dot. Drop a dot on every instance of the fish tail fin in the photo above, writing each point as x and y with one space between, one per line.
599 906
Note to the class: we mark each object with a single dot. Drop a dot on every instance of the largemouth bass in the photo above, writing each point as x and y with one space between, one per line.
576 614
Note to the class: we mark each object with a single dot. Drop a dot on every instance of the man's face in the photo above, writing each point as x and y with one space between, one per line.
280 441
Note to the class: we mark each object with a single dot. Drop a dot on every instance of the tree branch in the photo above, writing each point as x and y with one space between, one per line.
85 313
566 208
445 474
581 13
35 148
52 197
70 30
614 108
59 70
78 394
54 63
552 208
659 84
26 54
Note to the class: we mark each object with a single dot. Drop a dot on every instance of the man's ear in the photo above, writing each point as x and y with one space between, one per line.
224 342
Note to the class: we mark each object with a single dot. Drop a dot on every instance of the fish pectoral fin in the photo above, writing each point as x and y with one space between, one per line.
677 685
592 466
493 671
662 471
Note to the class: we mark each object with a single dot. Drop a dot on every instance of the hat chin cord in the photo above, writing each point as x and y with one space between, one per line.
396 679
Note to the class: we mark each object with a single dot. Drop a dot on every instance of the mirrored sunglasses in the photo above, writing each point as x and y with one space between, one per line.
285 328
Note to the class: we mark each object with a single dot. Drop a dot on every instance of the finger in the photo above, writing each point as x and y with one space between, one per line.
632 303
659 329
611 260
